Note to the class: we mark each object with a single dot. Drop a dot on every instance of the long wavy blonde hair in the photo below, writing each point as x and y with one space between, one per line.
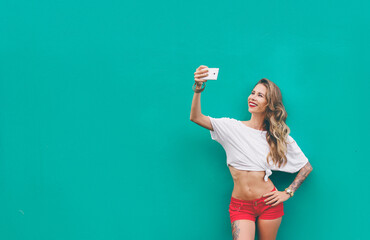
274 123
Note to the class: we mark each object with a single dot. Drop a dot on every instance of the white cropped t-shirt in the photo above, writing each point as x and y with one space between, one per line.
247 148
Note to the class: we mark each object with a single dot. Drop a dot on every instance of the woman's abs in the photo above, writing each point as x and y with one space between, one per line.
249 185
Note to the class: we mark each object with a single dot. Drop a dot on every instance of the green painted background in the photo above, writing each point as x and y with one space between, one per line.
95 97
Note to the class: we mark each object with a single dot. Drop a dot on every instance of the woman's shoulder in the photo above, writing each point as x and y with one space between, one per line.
226 119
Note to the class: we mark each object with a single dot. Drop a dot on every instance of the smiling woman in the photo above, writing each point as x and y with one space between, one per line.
253 104
254 148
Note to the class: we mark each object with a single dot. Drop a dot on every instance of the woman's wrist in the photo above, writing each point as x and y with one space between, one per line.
289 192
197 86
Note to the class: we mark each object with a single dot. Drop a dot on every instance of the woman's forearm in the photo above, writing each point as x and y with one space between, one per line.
301 176
195 106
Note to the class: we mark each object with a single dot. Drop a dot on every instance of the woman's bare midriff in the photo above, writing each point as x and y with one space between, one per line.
249 185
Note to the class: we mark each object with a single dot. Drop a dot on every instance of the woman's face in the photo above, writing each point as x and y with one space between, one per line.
257 96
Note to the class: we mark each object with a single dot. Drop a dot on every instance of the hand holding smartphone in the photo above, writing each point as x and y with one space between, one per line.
212 74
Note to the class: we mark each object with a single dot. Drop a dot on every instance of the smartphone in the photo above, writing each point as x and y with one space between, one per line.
212 74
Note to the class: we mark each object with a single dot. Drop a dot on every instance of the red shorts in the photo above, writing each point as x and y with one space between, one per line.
250 209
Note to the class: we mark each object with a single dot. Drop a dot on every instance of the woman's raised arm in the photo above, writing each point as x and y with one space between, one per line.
196 112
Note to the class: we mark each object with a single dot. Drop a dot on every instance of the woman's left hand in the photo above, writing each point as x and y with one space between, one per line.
276 197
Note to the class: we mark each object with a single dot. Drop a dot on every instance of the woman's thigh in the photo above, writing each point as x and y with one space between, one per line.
268 228
243 229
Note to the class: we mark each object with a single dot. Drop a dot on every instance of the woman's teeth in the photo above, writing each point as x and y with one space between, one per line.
252 105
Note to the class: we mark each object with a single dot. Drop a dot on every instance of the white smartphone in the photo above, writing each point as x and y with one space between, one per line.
212 74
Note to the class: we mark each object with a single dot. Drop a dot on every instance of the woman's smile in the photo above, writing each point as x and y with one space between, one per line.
252 105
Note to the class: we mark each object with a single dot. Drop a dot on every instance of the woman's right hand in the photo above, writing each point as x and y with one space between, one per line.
202 71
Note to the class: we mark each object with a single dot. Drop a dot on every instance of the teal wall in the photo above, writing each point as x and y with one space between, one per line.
95 97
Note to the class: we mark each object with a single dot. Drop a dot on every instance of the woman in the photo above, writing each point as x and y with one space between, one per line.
254 148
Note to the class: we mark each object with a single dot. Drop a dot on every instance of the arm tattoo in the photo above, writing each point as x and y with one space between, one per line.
301 176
